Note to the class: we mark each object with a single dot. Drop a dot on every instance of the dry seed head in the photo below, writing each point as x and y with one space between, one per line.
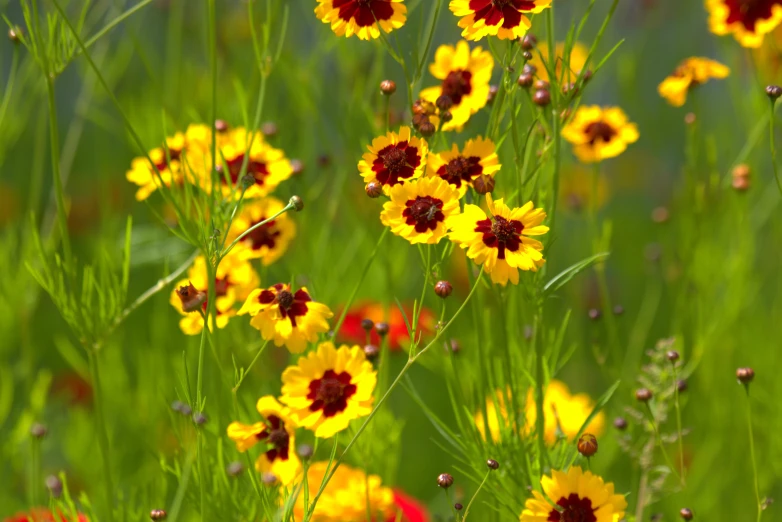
493 464
374 189
388 87
686 513
541 97
444 480
443 289
745 375
587 445
774 92
643 394
157 514
483 184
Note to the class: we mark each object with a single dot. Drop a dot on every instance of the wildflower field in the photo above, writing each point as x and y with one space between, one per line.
390 260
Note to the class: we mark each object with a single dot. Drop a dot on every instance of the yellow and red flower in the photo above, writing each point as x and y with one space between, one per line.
44 515
397 337
328 388
418 209
747 20
500 242
575 495
505 19
465 77
362 17
688 75
576 62
393 159
277 432
460 169
288 318
598 133
269 241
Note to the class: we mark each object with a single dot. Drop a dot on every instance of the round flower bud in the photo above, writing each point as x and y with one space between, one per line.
458 507
38 430
269 129
268 478
774 92
234 469
445 480
54 485
643 394
185 410
741 171
444 102
660 215
541 97
594 314
446 116
305 451
199 418
686 513
681 385
745 375
672 355
620 423
740 184
690 118
297 203
525 80
371 351
158 514
529 68
541 84
443 289
528 42
619 310
367 324
387 87
374 189
248 180
483 184
221 125
455 346
15 34
527 55
427 129
382 329
493 90
587 445
493 464
297 166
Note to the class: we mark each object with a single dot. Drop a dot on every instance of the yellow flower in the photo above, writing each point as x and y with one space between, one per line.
328 388
277 432
235 279
459 169
267 242
393 158
285 317
505 19
578 57
361 17
418 209
170 161
465 79
575 495
500 242
344 498
748 21
598 133
689 74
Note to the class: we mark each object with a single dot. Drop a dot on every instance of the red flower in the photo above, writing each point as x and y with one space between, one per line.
412 510
352 333
44 515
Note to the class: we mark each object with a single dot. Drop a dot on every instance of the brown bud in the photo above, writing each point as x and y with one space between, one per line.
367 325
741 184
234 469
643 394
444 102
483 184
444 480
660 215
594 314
157 514
686 513
672 355
269 129
420 119
587 76
38 430
268 478
741 171
427 129
525 80
587 445
541 97
493 90
458 507
493 464
324 160
529 68
387 87
774 92
455 347
297 203
528 42
221 125
371 351
297 166
541 84
443 289
745 375
681 385
423 107
527 55
446 116
15 34
374 189
190 297
620 423
305 451
381 329
690 118
54 485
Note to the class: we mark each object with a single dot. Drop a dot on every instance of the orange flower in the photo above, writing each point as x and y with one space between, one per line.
352 333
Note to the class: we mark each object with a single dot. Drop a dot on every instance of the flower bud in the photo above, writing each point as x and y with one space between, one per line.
444 102
541 97
681 385
445 480
190 297
619 310
427 129
690 118
54 485
185 410
493 90
587 445
483 184
324 160
158 514
587 76
15 34
423 107
686 513
381 329
248 180
458 507
529 42
367 324
774 92
569 88
374 189
371 351
297 166
297 203
221 125
672 355
268 478
541 84
38 430
199 418
527 55
388 87
620 423
493 464
443 289
660 215
529 68
446 116
455 347
525 80
594 314
745 375
234 469
643 394
305 451
269 129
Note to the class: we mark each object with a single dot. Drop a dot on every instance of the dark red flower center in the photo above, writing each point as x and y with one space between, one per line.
502 234
599 130
364 12
291 305
574 509
506 11
169 155
461 169
395 163
457 85
277 437
331 392
423 212
257 169
750 12
263 236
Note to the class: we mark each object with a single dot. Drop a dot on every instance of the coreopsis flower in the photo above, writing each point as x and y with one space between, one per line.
411 510
345 496
500 241
505 19
418 209
234 281
269 241
397 336
598 133
328 388
44 515
747 20
362 17
575 63
394 158
574 495
286 317
170 162
465 77
277 433
460 169
688 75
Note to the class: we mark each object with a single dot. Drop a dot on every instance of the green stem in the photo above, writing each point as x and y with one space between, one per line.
752 456
660 441
469 504
252 363
679 426
103 436
540 426
773 147
59 192
35 470
241 236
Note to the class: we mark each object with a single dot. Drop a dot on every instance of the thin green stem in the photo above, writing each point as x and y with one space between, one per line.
683 471
772 144
540 426
252 363
241 236
35 470
103 436
54 140
475 495
752 456
660 441
119 19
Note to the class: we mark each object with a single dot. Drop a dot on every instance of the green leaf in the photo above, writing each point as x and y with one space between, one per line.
564 277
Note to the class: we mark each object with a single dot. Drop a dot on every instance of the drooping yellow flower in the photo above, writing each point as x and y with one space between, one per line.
747 20
575 495
286 317
465 77
277 432
361 17
328 388
344 498
418 209
500 242
599 133
234 280
578 57
460 169
394 158
689 74
505 19
267 242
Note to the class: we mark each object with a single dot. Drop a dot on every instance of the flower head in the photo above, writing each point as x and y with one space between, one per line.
747 20
500 242
267 242
418 209
361 17
286 317
277 432
44 515
465 77
577 495
328 388
394 158
505 19
397 336
460 169
599 133
689 74
575 62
